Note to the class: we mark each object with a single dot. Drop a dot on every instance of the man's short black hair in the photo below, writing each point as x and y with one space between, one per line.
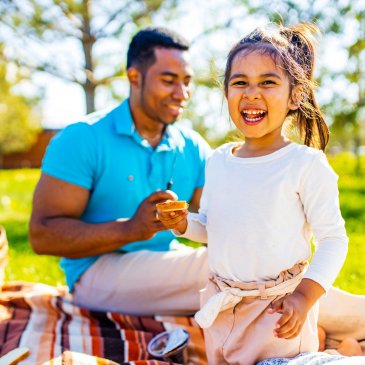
141 51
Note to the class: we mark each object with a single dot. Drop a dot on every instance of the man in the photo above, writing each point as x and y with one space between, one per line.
94 204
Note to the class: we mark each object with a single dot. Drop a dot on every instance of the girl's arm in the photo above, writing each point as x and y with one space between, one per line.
195 228
319 196
186 225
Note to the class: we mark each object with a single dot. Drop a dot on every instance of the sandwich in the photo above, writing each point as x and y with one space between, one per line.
172 205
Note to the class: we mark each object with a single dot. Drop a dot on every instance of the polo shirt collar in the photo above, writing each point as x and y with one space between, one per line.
124 125
123 119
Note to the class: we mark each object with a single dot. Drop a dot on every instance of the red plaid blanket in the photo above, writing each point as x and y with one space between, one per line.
43 318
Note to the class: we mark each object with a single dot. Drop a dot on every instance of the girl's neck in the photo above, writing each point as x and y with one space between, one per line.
251 149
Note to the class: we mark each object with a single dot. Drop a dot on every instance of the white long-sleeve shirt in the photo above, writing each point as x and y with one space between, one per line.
258 215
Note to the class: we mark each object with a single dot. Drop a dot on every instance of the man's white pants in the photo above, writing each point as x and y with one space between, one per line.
145 282
168 283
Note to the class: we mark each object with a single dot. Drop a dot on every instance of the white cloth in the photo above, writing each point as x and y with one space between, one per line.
258 215
342 315
229 296
145 282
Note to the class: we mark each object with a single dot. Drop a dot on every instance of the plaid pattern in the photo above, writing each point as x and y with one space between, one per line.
43 318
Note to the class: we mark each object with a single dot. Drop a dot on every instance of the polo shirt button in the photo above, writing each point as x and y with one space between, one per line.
130 178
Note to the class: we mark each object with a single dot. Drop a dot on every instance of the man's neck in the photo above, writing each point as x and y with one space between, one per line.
153 140
150 130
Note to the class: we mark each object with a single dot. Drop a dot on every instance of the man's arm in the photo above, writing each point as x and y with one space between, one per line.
56 229
194 203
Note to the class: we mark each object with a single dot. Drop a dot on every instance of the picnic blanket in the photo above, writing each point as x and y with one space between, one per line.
44 319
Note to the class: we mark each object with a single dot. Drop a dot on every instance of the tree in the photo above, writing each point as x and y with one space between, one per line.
90 25
102 29
19 120
350 106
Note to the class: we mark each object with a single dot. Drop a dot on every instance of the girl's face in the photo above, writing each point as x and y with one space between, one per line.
258 97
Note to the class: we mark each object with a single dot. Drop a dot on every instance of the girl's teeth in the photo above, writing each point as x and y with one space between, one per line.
253 119
253 115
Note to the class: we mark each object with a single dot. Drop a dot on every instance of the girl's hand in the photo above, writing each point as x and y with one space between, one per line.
176 220
294 309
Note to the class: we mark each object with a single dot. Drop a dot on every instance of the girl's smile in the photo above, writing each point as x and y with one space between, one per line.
253 116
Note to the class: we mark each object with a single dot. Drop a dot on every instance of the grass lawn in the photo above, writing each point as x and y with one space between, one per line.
16 189
352 200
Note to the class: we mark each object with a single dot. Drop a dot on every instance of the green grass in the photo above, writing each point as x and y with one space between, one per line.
16 190
352 200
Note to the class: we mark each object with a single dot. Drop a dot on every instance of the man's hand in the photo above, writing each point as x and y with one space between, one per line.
145 220
294 308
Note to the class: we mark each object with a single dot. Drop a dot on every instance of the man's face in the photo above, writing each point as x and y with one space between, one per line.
166 86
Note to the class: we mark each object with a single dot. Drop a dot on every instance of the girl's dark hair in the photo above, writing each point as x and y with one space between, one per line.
293 48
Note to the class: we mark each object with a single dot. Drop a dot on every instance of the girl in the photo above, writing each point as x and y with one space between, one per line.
262 201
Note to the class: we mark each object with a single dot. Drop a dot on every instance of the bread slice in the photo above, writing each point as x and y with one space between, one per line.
172 205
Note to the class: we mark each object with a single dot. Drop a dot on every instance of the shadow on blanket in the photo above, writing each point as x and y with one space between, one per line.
42 318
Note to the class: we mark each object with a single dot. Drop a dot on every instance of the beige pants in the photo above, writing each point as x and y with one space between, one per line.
145 282
243 335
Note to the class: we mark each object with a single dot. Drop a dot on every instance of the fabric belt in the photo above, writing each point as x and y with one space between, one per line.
232 292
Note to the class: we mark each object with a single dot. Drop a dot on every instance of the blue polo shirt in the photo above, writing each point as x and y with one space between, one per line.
120 169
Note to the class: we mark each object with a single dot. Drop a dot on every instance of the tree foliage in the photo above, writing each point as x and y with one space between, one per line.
350 114
92 26
19 122
98 28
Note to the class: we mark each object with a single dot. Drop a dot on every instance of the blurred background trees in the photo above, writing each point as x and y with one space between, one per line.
85 27
19 118
85 42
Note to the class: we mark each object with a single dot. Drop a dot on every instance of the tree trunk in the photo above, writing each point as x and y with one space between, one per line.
89 91
88 41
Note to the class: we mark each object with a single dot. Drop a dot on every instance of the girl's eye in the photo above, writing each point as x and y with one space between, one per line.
268 82
239 83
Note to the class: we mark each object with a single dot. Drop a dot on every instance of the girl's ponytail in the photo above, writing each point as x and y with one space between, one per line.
310 121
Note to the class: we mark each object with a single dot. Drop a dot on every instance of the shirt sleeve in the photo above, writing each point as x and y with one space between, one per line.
319 195
196 229
71 156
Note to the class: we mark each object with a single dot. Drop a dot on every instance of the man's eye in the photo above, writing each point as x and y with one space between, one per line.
167 81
